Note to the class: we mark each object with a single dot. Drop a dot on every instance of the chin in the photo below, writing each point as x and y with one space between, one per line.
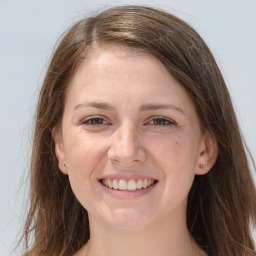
128 219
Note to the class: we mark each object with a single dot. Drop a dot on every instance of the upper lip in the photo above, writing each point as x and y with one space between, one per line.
126 176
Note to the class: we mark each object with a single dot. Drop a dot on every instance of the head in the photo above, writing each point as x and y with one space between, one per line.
213 198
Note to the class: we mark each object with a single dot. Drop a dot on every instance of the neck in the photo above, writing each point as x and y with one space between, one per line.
172 239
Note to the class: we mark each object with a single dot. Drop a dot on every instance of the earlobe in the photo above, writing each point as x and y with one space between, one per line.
207 155
59 150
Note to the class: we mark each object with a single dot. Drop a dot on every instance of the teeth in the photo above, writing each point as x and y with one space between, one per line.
130 185
110 183
139 184
115 184
123 185
144 183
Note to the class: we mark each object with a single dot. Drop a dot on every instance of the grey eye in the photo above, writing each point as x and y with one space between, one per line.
160 121
95 121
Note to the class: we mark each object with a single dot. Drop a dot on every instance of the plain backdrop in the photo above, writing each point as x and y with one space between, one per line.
28 33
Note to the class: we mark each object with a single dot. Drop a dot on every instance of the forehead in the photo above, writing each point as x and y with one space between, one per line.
115 61
116 72
104 58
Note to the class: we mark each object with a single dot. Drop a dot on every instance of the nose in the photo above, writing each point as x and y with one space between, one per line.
125 146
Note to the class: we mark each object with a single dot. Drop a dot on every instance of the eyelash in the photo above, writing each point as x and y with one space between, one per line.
93 121
156 121
159 120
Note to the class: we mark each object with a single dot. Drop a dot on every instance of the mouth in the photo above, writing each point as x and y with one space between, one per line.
128 185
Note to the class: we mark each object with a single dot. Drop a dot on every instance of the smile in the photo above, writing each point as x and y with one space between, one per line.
130 185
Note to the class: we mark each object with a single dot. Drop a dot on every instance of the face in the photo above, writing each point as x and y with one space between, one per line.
131 140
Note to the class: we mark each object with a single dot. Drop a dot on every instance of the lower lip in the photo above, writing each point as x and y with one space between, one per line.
126 194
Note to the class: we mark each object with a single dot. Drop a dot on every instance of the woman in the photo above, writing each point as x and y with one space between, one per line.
137 149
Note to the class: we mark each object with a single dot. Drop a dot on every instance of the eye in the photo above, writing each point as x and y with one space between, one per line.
160 121
95 121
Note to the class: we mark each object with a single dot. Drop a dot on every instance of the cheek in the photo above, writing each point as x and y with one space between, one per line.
176 158
176 152
179 175
83 154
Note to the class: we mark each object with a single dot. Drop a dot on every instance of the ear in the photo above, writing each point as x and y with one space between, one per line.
207 154
59 150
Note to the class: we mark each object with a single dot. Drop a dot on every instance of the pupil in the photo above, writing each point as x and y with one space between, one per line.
96 121
159 121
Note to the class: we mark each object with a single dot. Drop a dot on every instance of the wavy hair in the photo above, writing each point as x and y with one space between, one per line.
221 206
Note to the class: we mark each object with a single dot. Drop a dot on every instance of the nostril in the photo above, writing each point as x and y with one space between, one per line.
125 145
126 156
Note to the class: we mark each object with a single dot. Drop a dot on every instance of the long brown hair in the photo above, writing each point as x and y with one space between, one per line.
221 204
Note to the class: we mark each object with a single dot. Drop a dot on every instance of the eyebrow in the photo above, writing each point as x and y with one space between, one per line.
94 104
144 107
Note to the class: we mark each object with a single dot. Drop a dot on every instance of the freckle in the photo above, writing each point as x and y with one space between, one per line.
177 142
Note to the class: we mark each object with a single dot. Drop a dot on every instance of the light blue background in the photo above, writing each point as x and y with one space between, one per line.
28 32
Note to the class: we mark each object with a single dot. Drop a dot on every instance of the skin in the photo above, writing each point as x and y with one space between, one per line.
130 138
